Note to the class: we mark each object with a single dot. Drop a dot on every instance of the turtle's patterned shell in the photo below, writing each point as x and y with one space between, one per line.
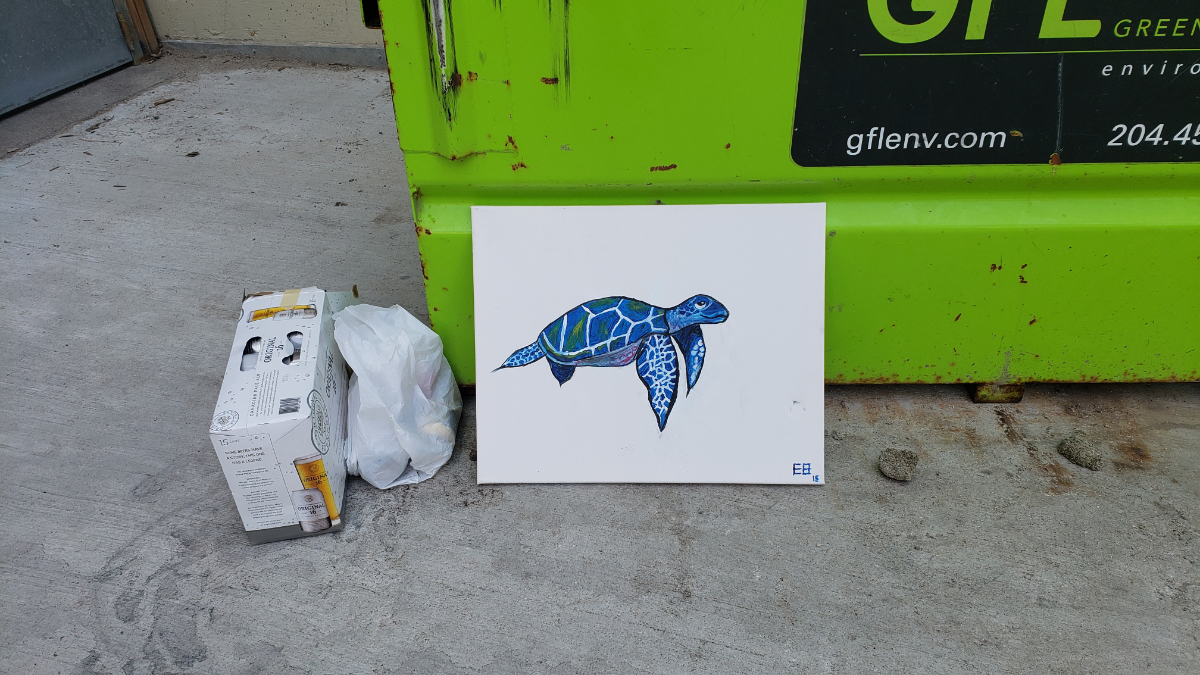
601 326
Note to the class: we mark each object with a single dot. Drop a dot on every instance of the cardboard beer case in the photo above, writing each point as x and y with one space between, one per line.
279 428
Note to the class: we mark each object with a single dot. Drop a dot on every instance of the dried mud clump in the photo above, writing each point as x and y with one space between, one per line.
1079 450
898 464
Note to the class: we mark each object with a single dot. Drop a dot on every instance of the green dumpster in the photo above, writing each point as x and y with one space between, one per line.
1013 189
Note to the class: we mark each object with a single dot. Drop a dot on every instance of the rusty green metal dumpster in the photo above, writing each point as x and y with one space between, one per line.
1013 189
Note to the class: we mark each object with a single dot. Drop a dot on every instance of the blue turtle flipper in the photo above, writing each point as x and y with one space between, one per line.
691 344
658 367
523 356
561 373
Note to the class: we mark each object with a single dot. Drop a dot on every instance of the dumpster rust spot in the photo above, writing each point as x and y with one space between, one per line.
417 198
864 379
956 378
1022 278
471 77
1033 321
986 392
958 317
665 167
519 165
562 62
513 143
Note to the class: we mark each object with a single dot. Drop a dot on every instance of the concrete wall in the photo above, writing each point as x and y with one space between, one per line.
299 22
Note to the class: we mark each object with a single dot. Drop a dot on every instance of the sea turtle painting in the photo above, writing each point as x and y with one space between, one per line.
617 331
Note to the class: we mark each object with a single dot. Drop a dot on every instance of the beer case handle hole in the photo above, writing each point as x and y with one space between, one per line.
297 340
250 353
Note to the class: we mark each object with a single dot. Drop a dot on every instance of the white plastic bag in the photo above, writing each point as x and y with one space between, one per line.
403 403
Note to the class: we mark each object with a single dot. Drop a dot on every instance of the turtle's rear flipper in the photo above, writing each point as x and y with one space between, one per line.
691 343
658 367
523 356
561 373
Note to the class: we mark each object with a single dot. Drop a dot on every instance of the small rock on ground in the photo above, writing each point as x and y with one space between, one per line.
1081 451
898 464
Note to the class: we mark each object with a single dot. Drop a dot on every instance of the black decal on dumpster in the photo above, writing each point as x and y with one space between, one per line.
443 62
918 82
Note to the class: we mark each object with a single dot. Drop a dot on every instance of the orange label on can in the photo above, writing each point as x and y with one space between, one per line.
312 475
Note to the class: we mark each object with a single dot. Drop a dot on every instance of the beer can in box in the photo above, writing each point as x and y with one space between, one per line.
311 508
312 475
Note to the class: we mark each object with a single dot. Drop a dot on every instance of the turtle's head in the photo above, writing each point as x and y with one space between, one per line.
694 310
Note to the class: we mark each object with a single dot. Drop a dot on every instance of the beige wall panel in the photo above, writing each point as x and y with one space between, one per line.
332 22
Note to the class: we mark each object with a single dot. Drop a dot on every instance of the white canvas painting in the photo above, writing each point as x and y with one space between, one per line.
650 344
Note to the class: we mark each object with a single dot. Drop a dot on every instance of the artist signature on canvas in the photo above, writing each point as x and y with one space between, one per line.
805 469
616 331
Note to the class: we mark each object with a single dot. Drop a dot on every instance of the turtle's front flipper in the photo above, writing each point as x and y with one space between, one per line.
691 343
523 356
561 373
658 367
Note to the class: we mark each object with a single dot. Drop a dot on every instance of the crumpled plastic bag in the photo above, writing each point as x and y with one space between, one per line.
403 402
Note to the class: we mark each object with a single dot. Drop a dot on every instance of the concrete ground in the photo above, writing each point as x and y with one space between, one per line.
123 262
